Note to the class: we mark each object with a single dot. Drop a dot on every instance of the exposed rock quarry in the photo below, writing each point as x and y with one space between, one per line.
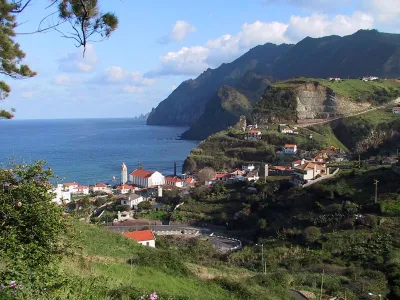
315 101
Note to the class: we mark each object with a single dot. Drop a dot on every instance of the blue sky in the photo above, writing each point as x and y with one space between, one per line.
159 44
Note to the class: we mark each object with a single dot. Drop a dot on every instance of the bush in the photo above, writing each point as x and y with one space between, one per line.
33 231
311 234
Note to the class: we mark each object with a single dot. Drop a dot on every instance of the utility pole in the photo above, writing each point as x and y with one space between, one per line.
376 190
262 257
359 160
322 284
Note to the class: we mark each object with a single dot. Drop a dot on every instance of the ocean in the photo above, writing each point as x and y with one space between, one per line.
92 150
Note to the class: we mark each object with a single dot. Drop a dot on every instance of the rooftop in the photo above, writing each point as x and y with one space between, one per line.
140 236
142 173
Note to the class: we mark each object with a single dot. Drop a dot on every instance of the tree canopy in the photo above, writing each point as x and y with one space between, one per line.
88 23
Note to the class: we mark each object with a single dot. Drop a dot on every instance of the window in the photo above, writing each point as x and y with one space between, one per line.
147 243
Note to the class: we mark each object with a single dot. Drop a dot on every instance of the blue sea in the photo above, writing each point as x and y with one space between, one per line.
92 150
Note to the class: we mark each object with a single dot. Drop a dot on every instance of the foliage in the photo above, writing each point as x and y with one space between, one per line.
32 229
311 234
144 205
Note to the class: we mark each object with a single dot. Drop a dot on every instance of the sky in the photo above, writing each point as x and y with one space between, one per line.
159 44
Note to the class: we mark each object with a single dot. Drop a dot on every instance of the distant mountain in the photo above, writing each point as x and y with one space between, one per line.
187 102
366 52
142 117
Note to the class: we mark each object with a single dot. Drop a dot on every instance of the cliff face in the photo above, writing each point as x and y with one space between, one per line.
315 101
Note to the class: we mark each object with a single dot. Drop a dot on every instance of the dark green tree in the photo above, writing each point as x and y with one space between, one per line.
83 16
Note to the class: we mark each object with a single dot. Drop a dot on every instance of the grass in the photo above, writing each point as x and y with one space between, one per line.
374 117
354 89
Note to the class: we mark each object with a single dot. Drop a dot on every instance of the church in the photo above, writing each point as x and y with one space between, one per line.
142 178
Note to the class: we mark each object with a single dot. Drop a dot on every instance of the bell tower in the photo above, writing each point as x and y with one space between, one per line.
124 174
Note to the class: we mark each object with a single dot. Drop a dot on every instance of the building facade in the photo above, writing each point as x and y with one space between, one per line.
143 237
143 178
124 174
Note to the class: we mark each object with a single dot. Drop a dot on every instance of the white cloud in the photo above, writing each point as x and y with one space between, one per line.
27 94
313 5
318 25
62 79
194 60
75 62
173 87
133 89
178 33
186 61
115 75
386 12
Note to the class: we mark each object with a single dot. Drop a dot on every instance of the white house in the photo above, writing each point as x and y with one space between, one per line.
101 187
174 180
70 186
396 109
290 149
143 237
252 176
309 171
125 189
82 190
220 177
287 130
298 162
144 178
248 168
124 174
132 200
61 196
253 135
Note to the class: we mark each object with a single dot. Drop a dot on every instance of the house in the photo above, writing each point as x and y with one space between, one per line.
396 109
373 160
82 190
252 176
389 161
70 186
248 168
143 237
290 149
174 180
237 175
253 135
189 182
123 216
144 178
370 78
319 158
287 130
220 177
61 196
125 189
334 79
310 170
131 200
101 187
252 126
298 162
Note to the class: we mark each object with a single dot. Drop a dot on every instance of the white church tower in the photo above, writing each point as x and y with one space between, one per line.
124 174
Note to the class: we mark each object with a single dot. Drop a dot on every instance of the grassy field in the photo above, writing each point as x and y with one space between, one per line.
374 118
352 88
105 265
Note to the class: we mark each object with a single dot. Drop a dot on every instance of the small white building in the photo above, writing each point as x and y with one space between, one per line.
396 109
287 130
174 180
101 187
82 190
70 186
132 200
145 179
143 237
248 168
125 189
290 149
253 135
309 171
61 196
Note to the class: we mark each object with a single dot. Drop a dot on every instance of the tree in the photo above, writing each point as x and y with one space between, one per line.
33 230
206 174
83 16
311 234
145 205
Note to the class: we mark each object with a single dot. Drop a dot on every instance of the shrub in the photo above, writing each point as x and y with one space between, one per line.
311 234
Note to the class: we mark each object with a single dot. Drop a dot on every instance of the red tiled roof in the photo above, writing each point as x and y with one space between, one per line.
310 166
189 180
254 131
290 146
140 236
124 187
397 106
142 173
221 175
70 183
81 187
100 184
172 179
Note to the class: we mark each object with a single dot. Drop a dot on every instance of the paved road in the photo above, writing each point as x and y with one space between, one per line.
220 242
